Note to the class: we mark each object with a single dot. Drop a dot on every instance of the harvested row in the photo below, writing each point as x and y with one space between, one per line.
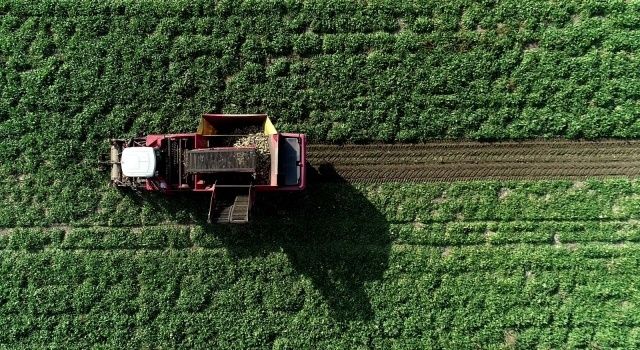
475 161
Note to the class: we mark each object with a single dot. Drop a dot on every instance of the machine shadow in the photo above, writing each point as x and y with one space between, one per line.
331 233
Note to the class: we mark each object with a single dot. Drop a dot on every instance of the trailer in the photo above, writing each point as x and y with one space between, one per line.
230 156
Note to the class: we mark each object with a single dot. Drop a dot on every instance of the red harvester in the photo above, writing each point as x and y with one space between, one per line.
232 156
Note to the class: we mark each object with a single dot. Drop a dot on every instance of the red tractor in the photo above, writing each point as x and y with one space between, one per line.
231 156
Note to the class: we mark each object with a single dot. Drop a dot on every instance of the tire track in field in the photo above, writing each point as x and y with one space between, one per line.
465 161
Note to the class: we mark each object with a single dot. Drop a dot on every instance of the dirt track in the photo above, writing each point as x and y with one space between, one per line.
474 161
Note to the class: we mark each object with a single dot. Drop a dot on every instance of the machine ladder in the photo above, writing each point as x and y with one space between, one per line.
232 209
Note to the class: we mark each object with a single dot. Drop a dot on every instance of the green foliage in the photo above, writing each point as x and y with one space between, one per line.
76 73
490 264
484 264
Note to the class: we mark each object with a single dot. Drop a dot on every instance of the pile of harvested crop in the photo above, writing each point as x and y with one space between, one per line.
255 137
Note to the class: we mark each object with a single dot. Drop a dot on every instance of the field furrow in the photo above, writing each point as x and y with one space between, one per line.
475 161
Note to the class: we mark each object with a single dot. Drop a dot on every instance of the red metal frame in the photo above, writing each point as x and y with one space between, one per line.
157 183
303 168
213 132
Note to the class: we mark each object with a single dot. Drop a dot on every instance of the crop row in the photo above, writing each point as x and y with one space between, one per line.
36 201
297 296
507 201
456 233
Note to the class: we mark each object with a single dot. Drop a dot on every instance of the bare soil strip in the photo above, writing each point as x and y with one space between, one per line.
430 162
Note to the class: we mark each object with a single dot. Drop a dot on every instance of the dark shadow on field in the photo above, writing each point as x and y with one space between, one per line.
334 236
330 232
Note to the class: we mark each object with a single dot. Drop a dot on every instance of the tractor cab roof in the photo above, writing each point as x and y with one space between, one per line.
138 162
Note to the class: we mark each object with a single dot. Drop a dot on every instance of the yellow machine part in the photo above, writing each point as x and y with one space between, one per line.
205 128
269 129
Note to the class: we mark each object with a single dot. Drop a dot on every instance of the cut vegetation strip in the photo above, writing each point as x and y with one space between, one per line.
475 161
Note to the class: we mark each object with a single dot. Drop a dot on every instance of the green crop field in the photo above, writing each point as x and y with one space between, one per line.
484 264
550 264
